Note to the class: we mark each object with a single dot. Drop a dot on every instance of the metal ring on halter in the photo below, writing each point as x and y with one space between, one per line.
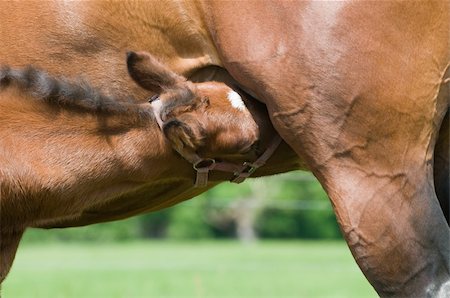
204 163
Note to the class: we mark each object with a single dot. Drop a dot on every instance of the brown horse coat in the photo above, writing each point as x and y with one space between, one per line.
358 89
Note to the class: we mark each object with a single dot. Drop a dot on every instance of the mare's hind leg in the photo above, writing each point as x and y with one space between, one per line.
393 225
373 154
9 241
380 181
441 167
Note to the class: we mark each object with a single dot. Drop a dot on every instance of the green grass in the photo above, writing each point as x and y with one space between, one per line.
196 269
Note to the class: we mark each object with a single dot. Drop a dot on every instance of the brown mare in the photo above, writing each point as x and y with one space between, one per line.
84 157
359 89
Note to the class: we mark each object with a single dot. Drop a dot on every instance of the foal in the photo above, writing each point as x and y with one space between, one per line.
205 122
71 156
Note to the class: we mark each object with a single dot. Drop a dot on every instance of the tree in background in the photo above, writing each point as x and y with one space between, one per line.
285 206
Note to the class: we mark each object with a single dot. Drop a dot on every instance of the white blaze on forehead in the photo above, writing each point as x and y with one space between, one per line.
236 100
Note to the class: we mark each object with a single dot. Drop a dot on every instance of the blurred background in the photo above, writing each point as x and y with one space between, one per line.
268 237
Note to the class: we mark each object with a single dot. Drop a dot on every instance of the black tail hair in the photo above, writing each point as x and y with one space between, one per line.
63 93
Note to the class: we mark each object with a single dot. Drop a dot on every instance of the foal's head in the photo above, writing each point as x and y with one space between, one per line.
200 119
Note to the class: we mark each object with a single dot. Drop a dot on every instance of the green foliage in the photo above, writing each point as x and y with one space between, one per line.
292 205
117 231
303 211
154 225
187 222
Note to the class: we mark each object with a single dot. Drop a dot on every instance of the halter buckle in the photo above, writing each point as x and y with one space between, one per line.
246 171
249 168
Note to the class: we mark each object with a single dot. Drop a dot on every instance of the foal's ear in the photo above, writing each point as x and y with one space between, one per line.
151 74
186 135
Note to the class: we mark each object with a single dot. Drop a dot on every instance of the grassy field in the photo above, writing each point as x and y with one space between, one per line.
196 269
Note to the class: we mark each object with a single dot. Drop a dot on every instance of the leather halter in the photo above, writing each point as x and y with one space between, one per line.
240 171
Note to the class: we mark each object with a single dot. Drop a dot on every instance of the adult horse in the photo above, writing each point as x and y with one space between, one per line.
358 89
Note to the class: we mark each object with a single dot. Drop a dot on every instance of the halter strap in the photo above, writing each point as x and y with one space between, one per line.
204 165
240 171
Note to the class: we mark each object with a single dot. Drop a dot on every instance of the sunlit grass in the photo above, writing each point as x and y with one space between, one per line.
195 269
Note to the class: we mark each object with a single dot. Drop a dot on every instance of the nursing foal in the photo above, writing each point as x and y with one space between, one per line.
203 120
71 156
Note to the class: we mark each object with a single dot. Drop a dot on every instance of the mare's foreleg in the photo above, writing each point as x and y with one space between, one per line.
441 167
9 241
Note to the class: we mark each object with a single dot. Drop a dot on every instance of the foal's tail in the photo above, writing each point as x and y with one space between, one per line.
61 92
31 80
